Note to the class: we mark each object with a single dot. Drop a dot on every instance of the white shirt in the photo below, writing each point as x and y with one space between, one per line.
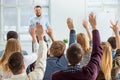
29 59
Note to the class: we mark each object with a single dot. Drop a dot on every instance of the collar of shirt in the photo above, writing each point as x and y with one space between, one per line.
73 69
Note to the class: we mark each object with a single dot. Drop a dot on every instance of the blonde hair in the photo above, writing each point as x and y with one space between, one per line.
82 40
12 46
106 62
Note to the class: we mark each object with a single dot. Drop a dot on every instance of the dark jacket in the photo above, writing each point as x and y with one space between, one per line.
88 72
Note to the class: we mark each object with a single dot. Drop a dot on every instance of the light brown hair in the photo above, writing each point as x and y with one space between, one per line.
82 40
106 61
12 46
57 48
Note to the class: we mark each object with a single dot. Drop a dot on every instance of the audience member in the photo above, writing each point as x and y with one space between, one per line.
57 60
74 56
112 42
17 65
12 46
85 44
116 60
12 34
106 62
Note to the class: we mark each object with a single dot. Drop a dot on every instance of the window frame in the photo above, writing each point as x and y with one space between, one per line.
18 7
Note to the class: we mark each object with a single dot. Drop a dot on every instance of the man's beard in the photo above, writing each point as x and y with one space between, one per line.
38 15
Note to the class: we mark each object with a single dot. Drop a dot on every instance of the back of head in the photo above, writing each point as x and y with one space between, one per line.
112 42
12 34
82 40
15 63
106 61
57 48
12 46
74 54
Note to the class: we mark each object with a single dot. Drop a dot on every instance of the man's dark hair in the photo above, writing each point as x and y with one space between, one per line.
112 42
74 54
37 6
15 63
12 34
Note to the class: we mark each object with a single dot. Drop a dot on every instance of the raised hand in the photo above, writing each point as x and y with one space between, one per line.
70 23
92 20
85 24
114 27
39 31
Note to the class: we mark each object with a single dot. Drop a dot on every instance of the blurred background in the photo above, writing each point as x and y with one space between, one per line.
15 15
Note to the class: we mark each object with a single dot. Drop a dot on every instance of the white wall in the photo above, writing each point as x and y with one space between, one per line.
119 14
76 9
61 10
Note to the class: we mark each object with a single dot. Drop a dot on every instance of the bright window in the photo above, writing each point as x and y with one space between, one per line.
105 11
15 15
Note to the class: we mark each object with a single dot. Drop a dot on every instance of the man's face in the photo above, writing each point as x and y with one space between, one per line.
38 12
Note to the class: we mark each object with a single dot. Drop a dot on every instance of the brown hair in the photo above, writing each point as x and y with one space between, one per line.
74 54
12 34
112 42
82 40
15 63
57 48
